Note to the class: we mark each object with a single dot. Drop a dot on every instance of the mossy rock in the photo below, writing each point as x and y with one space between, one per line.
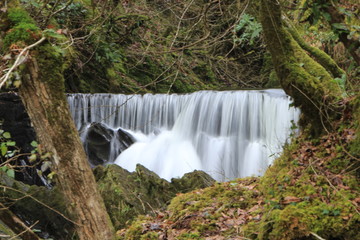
129 194
37 204
191 181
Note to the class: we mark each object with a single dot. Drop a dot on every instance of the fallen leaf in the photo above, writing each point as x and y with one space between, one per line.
290 199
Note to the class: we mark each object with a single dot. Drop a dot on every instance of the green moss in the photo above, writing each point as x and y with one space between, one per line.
135 230
19 16
321 57
223 197
23 30
51 64
190 235
300 220
273 81
304 79
319 207
127 195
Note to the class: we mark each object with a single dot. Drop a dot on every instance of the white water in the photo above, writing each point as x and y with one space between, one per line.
227 134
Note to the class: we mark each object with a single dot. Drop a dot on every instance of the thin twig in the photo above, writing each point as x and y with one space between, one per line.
317 236
28 229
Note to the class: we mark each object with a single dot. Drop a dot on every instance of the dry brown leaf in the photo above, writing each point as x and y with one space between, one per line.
254 208
290 199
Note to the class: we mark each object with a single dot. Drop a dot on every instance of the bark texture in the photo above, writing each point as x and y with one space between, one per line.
304 79
42 92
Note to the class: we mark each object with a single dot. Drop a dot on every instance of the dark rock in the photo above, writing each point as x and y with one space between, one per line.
125 139
97 143
16 121
128 194
103 144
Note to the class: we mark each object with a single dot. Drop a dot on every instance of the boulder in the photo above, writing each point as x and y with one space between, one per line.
125 139
103 144
128 194
97 143
192 180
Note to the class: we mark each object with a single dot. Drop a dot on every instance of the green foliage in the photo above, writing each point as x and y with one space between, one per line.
51 33
7 151
9 171
7 146
341 81
43 159
247 31
72 15
108 53
317 10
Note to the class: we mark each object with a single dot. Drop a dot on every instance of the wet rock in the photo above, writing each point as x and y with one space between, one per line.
103 144
125 139
97 143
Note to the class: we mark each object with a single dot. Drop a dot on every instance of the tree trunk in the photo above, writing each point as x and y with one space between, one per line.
311 86
42 92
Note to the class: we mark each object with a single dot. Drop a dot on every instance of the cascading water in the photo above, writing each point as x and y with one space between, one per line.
227 134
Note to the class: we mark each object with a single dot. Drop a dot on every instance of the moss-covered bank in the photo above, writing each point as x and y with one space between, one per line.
310 192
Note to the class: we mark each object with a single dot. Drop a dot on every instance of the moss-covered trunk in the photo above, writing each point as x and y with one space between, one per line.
304 79
42 92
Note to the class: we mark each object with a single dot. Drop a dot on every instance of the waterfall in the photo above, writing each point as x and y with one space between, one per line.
228 134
